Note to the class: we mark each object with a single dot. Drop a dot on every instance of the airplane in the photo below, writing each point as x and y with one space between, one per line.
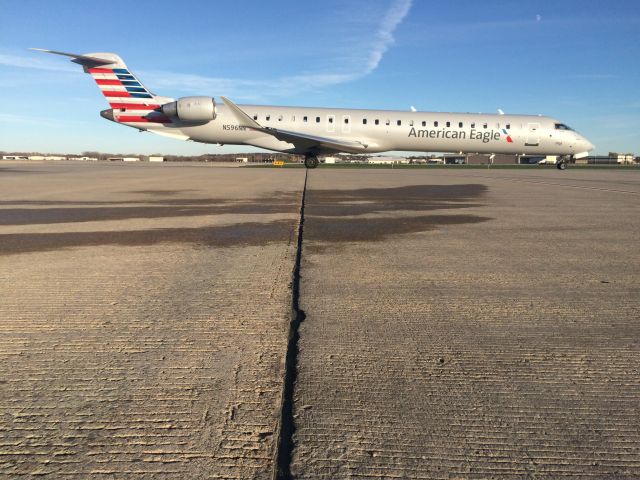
312 131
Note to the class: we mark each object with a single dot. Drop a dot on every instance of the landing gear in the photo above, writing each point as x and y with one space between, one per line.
562 163
311 161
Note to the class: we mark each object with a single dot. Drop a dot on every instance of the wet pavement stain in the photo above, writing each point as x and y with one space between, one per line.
332 230
77 212
408 198
241 234
333 216
323 206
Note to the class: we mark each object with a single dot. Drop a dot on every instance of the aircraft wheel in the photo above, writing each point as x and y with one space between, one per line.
311 162
561 165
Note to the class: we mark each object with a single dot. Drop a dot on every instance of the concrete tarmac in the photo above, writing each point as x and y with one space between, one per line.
457 323
144 316
469 324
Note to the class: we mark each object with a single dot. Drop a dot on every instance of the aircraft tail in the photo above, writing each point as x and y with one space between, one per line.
130 100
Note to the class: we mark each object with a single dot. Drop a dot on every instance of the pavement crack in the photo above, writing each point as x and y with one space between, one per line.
284 441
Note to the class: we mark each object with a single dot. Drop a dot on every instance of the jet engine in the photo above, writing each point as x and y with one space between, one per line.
191 109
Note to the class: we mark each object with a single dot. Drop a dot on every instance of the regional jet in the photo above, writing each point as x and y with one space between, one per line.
312 131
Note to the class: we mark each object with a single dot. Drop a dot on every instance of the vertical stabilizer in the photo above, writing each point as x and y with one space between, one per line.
130 100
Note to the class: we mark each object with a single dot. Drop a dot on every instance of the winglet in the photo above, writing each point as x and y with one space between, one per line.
243 119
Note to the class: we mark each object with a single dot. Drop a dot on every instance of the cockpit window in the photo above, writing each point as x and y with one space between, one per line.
562 126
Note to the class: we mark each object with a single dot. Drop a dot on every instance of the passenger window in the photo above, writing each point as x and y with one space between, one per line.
330 119
424 124
484 125
448 124
399 122
255 117
317 119
388 122
279 118
268 117
435 124
346 120
304 119
460 124
411 123
364 121
377 122
473 125
508 126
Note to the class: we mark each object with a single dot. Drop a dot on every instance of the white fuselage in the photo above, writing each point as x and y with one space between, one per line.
387 130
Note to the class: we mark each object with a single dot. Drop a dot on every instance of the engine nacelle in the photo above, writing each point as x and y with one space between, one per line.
191 109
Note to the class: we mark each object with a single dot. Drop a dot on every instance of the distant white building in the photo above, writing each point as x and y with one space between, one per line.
330 160
15 157
85 159
387 160
156 159
123 159
626 159
242 159
46 157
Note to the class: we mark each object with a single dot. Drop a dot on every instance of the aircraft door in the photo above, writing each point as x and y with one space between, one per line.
346 124
533 135
331 123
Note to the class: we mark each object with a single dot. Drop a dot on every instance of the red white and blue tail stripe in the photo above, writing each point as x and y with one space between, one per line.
129 99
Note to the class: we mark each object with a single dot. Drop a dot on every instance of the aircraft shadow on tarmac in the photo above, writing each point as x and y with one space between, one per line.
370 214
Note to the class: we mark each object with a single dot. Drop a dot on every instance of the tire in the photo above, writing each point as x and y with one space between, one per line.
311 162
561 165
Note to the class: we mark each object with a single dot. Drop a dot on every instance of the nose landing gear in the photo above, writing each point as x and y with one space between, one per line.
562 163
311 161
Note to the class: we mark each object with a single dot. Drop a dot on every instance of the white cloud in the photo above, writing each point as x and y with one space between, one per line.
19 119
344 69
35 63
358 57
398 11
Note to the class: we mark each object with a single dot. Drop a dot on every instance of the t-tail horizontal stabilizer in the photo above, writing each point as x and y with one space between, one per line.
84 60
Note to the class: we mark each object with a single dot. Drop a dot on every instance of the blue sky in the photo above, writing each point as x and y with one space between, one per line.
577 60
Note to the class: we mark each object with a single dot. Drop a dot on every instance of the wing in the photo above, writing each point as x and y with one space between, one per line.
302 141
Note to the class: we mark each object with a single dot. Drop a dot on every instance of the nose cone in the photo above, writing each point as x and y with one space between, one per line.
588 145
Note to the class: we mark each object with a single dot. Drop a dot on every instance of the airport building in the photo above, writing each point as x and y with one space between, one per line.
387 160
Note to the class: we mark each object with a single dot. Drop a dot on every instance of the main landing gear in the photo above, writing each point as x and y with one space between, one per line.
311 161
